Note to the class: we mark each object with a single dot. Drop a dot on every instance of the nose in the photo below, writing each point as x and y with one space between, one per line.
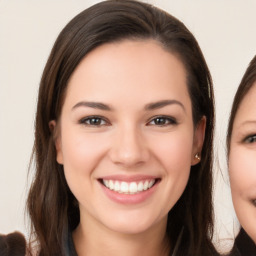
129 147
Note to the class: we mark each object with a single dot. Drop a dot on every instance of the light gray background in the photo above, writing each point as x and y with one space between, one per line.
225 30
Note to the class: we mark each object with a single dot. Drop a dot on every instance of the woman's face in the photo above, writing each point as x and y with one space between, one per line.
126 137
242 163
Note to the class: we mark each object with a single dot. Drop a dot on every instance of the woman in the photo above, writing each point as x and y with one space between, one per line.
241 145
123 138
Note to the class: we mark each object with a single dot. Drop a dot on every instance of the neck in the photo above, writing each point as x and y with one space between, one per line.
97 240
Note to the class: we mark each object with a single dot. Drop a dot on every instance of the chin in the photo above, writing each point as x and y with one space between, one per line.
132 225
128 229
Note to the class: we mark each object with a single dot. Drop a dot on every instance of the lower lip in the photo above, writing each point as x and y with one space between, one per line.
129 198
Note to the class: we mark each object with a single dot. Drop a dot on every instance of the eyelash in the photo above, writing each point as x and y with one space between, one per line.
163 121
96 121
250 139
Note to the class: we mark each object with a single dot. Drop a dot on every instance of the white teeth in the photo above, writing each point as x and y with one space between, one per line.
151 183
145 187
117 186
106 183
129 187
111 184
124 187
133 187
140 186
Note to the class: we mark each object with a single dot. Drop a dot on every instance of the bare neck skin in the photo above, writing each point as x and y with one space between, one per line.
94 239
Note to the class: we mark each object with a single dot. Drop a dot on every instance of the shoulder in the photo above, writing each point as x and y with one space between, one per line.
243 246
13 244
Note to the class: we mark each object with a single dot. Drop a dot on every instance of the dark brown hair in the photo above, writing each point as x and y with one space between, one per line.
243 244
246 84
13 244
52 207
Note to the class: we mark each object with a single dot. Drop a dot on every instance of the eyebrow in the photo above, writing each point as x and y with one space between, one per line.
247 122
96 105
163 103
150 106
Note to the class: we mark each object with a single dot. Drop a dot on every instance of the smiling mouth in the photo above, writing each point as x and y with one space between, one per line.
130 188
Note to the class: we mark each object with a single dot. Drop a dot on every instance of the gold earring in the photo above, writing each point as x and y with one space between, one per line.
197 156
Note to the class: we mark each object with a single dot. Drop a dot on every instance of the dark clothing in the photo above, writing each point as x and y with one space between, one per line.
243 246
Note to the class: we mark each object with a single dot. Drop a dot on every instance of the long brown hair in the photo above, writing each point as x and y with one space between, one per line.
52 207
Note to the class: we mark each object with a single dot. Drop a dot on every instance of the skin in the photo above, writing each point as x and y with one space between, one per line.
242 162
128 77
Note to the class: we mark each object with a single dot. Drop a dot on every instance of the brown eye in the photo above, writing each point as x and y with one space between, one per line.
93 121
162 121
250 139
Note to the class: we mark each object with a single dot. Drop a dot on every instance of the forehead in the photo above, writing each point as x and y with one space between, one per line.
129 69
247 108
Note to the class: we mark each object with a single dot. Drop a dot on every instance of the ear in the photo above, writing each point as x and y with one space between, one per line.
57 140
198 142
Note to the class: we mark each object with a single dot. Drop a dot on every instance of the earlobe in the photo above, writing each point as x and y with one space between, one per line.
57 141
199 135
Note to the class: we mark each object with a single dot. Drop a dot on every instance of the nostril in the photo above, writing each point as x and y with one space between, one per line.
129 147
129 157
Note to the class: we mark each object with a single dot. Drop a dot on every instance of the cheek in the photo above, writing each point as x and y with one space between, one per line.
242 164
81 154
174 154
174 150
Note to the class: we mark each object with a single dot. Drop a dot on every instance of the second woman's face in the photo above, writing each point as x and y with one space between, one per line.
126 137
242 163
